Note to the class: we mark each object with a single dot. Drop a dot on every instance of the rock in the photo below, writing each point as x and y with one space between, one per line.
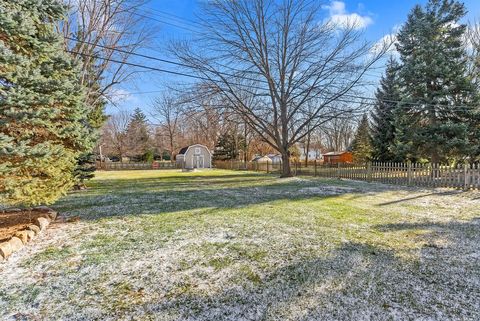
52 215
34 228
15 244
5 249
30 235
42 222
42 209
22 235
25 235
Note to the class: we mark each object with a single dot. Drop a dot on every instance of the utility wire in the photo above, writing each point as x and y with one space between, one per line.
451 107
378 74
159 59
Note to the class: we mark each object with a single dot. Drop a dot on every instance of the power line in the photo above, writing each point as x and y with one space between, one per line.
451 107
162 21
196 24
378 74
158 59
343 100
154 68
175 17
166 61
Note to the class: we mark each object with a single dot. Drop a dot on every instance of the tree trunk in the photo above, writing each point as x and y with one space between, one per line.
245 156
286 171
171 150
308 148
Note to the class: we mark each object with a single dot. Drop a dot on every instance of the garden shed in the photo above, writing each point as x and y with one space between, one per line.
338 157
194 156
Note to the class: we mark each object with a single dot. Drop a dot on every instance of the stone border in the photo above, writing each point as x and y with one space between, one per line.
21 238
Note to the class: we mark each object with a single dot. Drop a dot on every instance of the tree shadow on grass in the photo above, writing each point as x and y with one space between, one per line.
174 182
159 195
354 282
126 197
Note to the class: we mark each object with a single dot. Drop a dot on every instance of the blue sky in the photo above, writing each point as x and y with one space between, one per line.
171 21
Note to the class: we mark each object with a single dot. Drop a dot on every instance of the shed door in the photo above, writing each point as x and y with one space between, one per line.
198 161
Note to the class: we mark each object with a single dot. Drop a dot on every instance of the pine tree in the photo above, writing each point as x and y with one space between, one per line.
227 147
383 122
43 124
138 117
361 145
137 134
94 101
84 169
434 82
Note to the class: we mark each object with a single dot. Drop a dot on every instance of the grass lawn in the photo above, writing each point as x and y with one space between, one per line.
223 245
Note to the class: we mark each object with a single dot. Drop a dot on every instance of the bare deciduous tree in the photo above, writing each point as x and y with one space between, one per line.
169 113
337 134
102 35
271 59
114 134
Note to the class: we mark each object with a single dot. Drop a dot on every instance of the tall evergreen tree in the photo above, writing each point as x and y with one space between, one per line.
228 147
95 103
434 83
84 169
137 133
383 124
361 145
43 123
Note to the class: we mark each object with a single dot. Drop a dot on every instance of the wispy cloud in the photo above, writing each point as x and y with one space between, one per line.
118 95
340 17
389 40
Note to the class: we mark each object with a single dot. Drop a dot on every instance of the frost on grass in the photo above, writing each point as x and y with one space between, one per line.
156 245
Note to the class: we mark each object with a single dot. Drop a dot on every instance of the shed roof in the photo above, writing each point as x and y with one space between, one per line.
335 153
184 150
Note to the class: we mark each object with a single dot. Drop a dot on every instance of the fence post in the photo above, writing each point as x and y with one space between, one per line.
267 166
315 166
466 176
369 171
409 172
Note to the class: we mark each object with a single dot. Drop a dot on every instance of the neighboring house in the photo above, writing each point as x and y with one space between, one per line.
312 155
338 157
194 156
270 158
275 158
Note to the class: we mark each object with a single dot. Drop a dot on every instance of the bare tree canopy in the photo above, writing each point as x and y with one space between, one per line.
279 64
114 134
103 35
169 112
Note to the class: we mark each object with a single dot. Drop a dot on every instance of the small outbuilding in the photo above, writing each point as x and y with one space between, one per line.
274 159
194 156
338 157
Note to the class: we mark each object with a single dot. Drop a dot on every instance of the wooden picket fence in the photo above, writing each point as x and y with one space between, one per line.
466 176
461 176
115 166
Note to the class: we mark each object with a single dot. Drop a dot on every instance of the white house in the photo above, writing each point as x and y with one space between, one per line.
313 154
270 158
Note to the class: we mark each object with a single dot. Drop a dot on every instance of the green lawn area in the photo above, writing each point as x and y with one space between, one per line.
224 245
